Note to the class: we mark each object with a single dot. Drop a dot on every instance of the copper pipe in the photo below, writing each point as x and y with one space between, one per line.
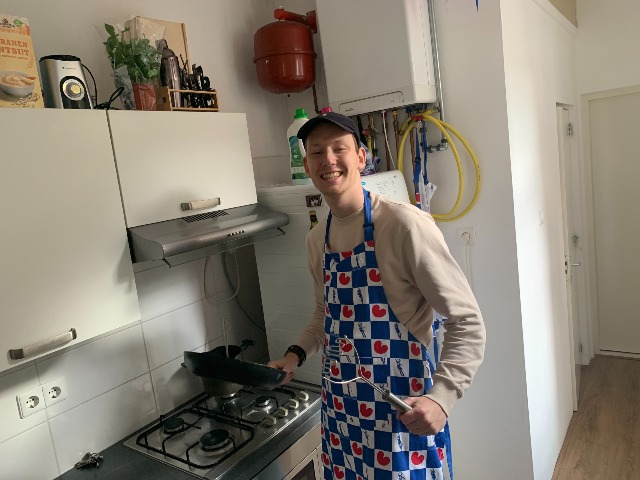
396 129
309 19
386 139
315 99
372 133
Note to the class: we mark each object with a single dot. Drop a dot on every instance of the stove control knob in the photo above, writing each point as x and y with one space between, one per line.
292 404
270 421
282 412
302 395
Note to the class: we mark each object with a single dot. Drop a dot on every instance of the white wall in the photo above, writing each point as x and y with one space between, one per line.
566 8
124 380
539 67
490 425
609 30
608 52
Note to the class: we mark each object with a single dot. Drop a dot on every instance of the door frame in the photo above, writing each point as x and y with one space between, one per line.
592 328
566 153
578 201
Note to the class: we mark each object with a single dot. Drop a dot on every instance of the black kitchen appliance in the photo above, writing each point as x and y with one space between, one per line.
63 82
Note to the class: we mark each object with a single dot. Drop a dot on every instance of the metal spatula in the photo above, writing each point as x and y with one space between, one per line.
331 368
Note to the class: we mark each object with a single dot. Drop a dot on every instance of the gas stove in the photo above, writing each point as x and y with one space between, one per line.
208 437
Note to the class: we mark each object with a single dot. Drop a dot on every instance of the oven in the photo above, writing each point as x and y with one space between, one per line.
296 463
253 433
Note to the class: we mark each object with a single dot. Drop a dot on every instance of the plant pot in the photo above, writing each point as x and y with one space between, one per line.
145 96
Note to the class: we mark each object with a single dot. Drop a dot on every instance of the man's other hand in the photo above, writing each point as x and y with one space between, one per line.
426 417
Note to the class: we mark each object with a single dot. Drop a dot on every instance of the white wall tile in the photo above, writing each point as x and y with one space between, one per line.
96 368
272 170
103 421
174 385
168 336
11 386
162 289
239 327
29 456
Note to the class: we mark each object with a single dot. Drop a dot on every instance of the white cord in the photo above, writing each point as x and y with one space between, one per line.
206 290
207 296
235 258
386 139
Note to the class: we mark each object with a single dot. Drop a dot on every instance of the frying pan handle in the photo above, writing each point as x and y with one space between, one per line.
396 402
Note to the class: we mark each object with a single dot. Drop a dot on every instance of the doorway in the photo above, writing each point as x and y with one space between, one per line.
565 127
613 143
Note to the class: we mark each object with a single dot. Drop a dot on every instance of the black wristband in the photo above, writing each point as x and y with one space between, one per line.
299 351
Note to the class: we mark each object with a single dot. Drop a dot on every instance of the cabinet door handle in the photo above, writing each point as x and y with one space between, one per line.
45 345
199 204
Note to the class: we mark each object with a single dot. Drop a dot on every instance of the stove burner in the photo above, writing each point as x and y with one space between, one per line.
264 401
216 442
214 438
174 425
230 396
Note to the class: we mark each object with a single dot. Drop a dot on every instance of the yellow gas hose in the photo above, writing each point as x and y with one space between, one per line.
443 127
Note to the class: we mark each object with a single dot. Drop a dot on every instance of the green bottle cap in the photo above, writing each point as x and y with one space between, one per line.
300 113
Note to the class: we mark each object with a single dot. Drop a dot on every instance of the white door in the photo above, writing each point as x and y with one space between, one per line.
564 151
615 170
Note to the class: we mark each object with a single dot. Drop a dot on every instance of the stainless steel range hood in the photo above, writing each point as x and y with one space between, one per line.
185 239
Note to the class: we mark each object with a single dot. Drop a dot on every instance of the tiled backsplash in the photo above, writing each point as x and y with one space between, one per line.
123 380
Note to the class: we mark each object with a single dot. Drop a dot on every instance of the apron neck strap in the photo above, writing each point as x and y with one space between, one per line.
368 224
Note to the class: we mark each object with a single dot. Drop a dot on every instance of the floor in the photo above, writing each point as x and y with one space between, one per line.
603 439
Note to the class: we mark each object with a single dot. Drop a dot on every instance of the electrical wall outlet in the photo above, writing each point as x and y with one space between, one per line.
54 391
30 402
467 235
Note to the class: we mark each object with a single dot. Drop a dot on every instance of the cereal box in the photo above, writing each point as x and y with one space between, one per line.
19 82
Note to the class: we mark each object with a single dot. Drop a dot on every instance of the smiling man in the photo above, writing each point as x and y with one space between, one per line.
380 269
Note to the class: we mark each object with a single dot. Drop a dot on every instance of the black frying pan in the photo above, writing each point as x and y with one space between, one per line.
214 365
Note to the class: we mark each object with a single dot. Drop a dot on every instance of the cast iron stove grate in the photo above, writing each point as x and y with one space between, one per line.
143 439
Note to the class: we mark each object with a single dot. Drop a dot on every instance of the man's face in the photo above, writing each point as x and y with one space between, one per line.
333 163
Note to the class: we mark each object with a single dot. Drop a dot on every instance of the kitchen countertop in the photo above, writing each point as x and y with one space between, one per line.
123 463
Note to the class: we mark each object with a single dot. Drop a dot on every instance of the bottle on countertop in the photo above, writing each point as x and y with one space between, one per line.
296 149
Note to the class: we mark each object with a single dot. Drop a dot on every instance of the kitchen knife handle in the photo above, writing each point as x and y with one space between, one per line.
44 346
200 204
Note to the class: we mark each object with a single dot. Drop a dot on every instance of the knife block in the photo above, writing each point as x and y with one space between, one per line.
164 97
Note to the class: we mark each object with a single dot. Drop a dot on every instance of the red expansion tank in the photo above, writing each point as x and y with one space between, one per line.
284 57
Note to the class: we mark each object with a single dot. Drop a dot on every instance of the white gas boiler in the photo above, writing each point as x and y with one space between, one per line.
285 282
377 54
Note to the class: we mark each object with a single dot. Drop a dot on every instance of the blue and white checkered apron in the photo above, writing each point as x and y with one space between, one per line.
361 437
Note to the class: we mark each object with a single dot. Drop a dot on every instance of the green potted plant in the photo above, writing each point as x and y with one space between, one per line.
142 60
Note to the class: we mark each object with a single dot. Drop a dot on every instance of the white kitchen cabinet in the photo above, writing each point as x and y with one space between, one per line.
167 159
65 263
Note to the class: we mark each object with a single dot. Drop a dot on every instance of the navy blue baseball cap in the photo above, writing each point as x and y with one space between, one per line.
339 120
